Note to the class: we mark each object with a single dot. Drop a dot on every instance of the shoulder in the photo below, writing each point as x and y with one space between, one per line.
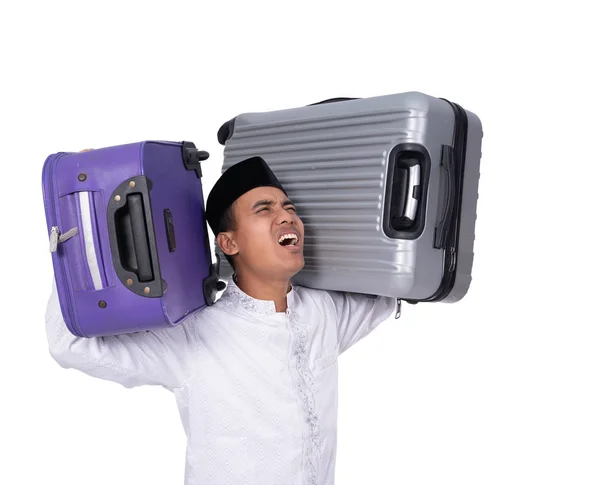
204 317
312 293
339 302
324 300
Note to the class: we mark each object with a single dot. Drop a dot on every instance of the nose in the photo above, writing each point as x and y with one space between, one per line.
283 216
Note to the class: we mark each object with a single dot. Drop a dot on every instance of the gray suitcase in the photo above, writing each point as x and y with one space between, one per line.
386 187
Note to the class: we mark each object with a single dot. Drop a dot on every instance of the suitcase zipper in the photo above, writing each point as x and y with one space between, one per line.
55 236
452 260
459 146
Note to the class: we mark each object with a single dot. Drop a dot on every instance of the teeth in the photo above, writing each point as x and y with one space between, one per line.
289 236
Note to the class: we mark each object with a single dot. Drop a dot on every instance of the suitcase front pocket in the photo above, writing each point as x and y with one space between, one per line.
81 254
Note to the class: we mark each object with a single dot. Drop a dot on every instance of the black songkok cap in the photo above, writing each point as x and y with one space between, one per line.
235 182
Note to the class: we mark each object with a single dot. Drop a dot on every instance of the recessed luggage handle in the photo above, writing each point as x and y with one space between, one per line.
131 233
412 195
405 191
442 228
133 228
407 179
409 204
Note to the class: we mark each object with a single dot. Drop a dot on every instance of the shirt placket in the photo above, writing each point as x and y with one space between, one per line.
306 391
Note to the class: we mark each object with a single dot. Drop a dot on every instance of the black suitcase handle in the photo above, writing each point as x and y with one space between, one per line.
226 130
442 228
132 237
332 100
133 228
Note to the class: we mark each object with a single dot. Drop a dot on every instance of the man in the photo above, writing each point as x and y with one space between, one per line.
254 375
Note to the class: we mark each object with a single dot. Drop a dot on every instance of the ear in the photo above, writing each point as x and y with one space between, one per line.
226 243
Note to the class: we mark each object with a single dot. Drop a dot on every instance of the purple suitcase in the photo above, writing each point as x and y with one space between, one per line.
128 236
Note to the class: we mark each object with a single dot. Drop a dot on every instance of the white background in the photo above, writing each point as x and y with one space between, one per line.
501 388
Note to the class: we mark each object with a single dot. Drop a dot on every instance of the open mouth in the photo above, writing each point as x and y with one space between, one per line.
289 239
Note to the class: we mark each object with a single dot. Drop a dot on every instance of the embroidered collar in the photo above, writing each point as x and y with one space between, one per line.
234 297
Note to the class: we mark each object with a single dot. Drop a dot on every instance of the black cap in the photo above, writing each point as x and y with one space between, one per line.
235 182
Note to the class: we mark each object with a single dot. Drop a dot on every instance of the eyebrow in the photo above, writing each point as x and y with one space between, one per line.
270 203
261 203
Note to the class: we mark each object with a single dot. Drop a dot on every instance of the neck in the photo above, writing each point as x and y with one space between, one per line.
262 289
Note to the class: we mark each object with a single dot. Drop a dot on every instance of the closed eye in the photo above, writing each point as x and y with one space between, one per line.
289 205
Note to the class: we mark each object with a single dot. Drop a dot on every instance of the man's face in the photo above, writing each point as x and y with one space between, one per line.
269 237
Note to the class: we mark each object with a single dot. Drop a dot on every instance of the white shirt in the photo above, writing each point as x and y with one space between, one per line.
256 389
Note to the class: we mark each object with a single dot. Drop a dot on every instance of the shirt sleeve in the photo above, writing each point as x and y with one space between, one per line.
358 315
165 357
